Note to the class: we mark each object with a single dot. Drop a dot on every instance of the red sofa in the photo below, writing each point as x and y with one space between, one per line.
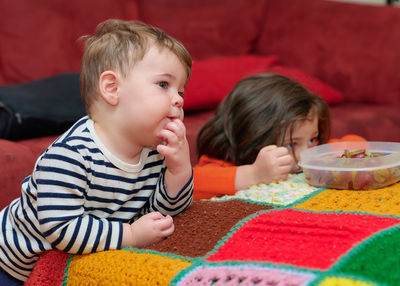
348 53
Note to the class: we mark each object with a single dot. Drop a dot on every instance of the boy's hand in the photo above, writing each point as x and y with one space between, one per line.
148 229
272 164
177 155
176 149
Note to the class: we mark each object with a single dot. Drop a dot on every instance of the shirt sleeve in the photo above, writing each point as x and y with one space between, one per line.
213 177
61 179
162 202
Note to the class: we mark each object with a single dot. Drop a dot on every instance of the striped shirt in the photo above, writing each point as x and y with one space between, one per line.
77 198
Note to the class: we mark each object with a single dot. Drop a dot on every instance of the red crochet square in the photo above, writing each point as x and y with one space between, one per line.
299 238
49 269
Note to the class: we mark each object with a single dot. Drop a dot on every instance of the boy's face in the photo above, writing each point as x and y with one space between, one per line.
151 96
305 135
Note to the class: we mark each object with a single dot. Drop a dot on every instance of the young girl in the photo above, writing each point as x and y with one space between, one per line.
257 134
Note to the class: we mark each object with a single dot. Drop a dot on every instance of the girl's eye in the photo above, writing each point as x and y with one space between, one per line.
181 93
290 146
163 84
313 142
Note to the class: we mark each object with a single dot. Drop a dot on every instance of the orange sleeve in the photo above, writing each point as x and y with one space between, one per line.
349 137
213 177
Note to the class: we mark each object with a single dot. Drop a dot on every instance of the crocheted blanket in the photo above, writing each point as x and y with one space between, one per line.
262 236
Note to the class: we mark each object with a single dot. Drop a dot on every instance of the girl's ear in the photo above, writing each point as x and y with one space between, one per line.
108 85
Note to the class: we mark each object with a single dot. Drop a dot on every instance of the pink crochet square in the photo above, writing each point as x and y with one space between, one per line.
244 275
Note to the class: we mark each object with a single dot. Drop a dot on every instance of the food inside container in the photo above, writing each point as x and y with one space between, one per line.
352 165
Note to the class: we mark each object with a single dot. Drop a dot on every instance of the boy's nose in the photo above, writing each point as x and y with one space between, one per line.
177 100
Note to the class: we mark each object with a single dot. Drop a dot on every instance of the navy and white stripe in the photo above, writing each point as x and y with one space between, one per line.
78 197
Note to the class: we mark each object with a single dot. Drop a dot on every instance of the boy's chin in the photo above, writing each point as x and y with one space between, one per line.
156 143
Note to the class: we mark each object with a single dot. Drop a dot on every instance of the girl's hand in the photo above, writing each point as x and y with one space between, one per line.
148 229
272 164
177 155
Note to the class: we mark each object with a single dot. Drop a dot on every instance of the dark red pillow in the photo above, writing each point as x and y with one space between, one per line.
214 78
314 85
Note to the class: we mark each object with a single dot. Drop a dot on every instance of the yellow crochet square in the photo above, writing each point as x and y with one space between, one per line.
337 281
123 267
380 201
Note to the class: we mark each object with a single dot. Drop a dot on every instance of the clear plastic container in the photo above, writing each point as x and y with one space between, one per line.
323 166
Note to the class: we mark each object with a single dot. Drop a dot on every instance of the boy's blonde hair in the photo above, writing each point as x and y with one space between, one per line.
117 45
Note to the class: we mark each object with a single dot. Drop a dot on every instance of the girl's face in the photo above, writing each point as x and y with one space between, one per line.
304 136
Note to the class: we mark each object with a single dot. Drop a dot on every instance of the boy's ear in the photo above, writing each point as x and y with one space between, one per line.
108 85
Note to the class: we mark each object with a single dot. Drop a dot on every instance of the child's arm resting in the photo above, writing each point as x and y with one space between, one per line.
163 202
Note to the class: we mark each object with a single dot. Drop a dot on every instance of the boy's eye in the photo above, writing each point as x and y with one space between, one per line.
163 84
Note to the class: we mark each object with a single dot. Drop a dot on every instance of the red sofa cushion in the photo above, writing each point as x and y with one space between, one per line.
207 27
16 163
39 39
314 85
352 47
17 160
193 123
212 79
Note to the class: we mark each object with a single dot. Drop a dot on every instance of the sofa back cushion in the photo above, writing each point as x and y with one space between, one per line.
207 27
354 48
212 79
39 38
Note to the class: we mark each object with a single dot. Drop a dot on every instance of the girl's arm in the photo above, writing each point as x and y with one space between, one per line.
213 177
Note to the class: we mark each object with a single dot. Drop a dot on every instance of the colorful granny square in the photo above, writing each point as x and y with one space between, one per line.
377 259
245 274
199 228
286 192
299 238
380 201
122 267
341 281
49 269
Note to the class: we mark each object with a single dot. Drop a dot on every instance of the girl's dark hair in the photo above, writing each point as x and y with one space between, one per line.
256 113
